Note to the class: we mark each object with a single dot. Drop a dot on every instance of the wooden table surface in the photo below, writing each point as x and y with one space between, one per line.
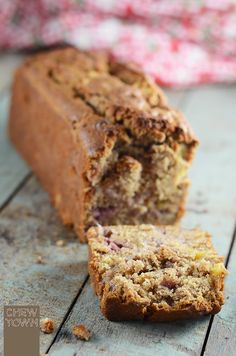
29 227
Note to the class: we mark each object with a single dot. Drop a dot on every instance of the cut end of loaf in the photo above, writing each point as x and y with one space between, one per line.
140 183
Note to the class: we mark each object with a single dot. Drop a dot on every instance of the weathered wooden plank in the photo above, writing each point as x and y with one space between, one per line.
222 337
29 228
12 168
212 114
8 64
212 201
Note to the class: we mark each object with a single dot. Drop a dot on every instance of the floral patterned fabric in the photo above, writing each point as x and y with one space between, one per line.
178 42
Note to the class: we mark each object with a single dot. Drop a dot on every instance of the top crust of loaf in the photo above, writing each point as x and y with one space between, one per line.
126 101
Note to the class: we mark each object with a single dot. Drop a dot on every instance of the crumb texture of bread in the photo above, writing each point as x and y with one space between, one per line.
102 139
155 273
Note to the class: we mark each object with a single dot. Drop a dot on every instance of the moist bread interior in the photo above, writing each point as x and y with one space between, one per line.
168 267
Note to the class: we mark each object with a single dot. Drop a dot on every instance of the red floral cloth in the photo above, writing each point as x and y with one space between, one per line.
178 42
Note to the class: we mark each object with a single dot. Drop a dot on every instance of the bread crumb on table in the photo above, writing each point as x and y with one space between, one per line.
60 243
47 325
81 332
39 260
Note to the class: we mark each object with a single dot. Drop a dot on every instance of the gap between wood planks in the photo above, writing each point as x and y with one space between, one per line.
15 191
68 312
213 316
14 171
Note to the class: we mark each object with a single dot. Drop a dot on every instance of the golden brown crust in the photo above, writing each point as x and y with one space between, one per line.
114 310
65 135
124 303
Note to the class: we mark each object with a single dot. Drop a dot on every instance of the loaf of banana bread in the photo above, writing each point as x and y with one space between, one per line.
155 273
102 140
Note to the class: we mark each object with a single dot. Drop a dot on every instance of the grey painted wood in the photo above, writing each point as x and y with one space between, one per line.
30 228
212 201
12 168
212 205
222 337
216 212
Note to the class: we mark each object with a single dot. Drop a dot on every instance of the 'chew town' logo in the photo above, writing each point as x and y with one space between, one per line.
21 330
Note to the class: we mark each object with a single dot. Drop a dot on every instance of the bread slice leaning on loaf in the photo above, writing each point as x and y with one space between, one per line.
102 140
